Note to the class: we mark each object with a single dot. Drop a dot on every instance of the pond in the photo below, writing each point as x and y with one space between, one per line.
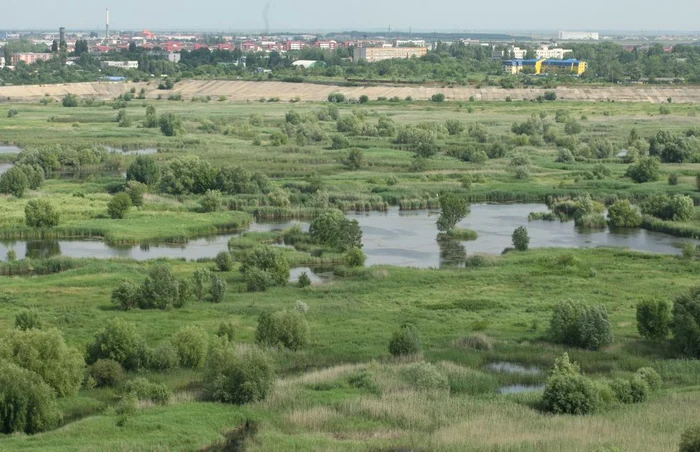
512 368
9 149
144 151
316 278
400 238
5 166
519 389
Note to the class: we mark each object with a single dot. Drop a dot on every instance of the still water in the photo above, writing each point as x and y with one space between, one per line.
392 238
8 149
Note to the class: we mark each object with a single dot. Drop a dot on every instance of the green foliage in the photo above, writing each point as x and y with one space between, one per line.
304 280
675 208
224 261
269 261
288 329
226 330
28 319
119 341
354 257
653 319
580 325
622 214
46 353
572 127
27 403
201 278
106 373
521 240
143 389
192 344
454 126
570 394
339 142
354 160
686 323
453 209
439 97
126 295
564 366
123 118
336 98
151 121
639 390
217 289
565 156
14 182
333 229
550 96
673 179
171 125
211 201
645 170
278 139
40 213
164 357
136 191
424 377
690 440
187 174
160 290
144 169
364 99
119 205
405 341
238 377
651 377
70 100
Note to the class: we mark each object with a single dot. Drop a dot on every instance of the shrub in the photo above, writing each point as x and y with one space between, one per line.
354 257
227 329
200 278
238 378
143 389
217 289
164 357
622 389
224 261
645 170
439 97
453 209
653 319
690 440
27 403
211 201
364 99
106 372
160 290
258 280
580 325
639 390
355 159
476 341
70 100
686 323
119 205
123 118
301 307
622 214
565 156
27 319
304 280
339 142
170 125
125 296
570 394
144 170
674 208
46 353
136 191
288 329
119 341
41 214
673 179
14 182
335 230
278 139
191 343
268 260
424 377
404 342
336 98
454 126
521 240
572 127
550 96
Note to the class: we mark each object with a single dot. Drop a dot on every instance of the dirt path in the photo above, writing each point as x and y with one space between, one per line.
241 91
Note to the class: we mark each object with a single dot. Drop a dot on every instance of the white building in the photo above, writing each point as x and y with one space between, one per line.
579 35
173 57
556 53
120 64
2 62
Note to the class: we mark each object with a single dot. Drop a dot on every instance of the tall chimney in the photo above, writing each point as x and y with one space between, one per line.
107 26
61 35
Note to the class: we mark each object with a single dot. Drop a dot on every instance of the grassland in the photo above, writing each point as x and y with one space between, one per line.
317 404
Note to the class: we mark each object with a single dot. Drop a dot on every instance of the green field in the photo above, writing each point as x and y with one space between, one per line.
344 391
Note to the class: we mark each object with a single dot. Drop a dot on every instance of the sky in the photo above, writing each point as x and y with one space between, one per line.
317 15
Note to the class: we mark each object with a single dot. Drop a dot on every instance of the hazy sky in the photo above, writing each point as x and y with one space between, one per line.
356 14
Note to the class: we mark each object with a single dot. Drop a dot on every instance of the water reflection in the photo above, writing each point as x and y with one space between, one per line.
42 249
452 252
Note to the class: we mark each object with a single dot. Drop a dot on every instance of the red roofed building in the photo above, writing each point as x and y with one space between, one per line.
228 47
172 46
250 46
294 45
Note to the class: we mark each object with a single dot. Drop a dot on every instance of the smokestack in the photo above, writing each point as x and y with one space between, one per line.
107 26
61 35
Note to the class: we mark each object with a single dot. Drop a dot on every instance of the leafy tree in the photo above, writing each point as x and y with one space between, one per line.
70 100
27 403
673 179
161 289
106 373
690 440
236 180
40 213
28 319
217 289
119 341
439 97
278 139
201 277
335 230
364 99
119 205
211 201
550 96
192 344
143 389
188 174
675 208
339 142
126 295
227 330
336 98
405 341
136 191
164 357
151 121
354 160
653 319
521 240
453 209
144 169
686 323
171 125
454 126
288 329
572 127
238 377
269 260
622 214
224 261
568 392
577 324
354 257
123 118
304 280
14 182
645 170
35 175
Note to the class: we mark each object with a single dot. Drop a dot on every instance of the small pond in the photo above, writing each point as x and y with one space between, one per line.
518 389
5 166
512 368
9 149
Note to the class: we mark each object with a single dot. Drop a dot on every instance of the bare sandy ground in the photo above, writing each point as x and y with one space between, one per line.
242 91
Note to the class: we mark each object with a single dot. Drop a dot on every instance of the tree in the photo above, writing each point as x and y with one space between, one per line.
14 182
119 205
354 257
238 377
106 373
439 97
217 289
405 341
577 324
161 289
521 240
288 329
336 98
270 261
686 323
304 280
278 139
454 126
550 96
123 118
46 353
354 160
170 124
40 213
136 191
674 208
572 127
570 394
224 261
201 277
364 99
70 100
339 142
151 121
333 229
453 209
622 214
192 344
119 341
27 403
211 201
653 319
125 296
144 169
645 170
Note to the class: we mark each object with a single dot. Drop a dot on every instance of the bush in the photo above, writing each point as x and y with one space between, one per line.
268 260
217 289
333 229
673 179
136 191
14 182
191 343
521 240
106 373
354 160
144 170
288 329
639 390
224 261
41 214
686 323
339 142
572 127
123 118
550 96
27 319
164 357
143 389
227 330
622 214
70 100
46 353
304 280
364 99
354 257
170 125
119 205
27 403
125 296
211 201
439 97
258 280
570 394
565 156
336 98
238 377
119 341
160 290
653 319
453 209
645 170
404 342
576 324
200 278
674 208
622 389
690 440
454 126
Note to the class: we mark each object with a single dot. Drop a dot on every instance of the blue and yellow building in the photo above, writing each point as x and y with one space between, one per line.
545 66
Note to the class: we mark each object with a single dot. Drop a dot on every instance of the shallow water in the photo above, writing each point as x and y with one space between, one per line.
512 368
518 389
316 279
9 149
144 151
397 238
5 166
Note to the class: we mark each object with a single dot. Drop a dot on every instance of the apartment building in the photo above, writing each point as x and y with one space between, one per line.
374 54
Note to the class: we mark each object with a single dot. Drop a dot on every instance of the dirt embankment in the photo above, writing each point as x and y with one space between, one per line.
241 91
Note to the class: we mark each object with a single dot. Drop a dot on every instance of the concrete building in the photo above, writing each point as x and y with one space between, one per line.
374 54
556 53
326 45
544 66
173 57
29 58
2 62
120 64
579 35
294 45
